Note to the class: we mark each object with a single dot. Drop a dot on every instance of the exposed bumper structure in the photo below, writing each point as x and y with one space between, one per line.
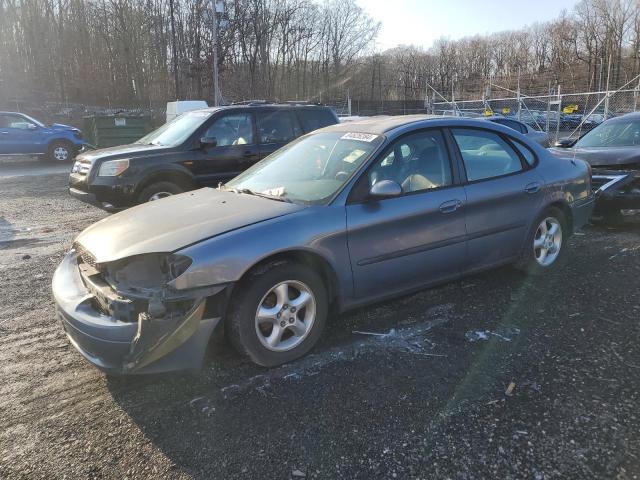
149 345
617 193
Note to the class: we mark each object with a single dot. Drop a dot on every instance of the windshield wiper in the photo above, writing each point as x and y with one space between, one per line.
248 191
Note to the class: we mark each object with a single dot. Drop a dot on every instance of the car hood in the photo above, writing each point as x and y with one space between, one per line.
60 126
121 151
175 222
601 156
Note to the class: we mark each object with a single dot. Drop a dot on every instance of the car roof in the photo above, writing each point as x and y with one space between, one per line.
399 123
626 116
263 105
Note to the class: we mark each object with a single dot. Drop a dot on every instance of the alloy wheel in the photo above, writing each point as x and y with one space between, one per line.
547 241
61 154
159 195
285 316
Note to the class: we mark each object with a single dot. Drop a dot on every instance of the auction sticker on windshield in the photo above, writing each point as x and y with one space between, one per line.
364 137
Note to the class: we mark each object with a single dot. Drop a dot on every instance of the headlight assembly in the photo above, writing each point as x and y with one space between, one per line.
113 168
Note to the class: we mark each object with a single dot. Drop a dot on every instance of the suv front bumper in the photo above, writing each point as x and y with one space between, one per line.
119 347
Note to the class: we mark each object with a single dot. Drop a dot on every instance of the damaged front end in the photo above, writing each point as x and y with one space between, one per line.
617 193
126 317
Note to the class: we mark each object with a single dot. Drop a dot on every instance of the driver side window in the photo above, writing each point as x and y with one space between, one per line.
417 162
232 129
15 121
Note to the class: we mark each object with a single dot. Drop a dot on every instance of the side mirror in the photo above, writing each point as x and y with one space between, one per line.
565 142
385 189
31 126
208 142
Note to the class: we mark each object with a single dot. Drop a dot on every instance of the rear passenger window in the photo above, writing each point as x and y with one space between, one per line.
485 154
312 119
277 127
528 155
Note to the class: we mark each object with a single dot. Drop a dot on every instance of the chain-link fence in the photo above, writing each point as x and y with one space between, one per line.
566 115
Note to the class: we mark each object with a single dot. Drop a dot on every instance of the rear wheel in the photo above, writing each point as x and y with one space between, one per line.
60 151
278 314
544 248
159 190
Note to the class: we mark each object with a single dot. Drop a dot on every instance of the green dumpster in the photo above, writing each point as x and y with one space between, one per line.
113 130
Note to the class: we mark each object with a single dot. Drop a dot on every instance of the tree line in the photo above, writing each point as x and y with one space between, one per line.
146 52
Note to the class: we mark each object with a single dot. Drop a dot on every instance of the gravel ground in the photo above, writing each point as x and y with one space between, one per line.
494 376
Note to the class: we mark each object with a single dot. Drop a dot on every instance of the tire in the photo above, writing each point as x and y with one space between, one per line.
532 259
251 334
61 151
159 190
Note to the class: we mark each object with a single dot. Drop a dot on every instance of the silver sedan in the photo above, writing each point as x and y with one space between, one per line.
347 215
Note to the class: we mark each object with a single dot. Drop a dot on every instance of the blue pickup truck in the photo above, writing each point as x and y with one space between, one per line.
23 135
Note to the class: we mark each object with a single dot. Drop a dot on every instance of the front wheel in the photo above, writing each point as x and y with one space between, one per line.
278 314
60 151
544 247
158 191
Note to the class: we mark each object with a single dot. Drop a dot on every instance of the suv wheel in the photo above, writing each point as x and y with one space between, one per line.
60 151
544 248
278 314
159 190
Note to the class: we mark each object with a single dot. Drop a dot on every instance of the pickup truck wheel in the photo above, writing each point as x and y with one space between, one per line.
159 190
545 245
60 151
278 313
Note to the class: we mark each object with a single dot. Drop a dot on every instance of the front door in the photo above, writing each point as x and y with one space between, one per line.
417 238
503 193
18 135
235 149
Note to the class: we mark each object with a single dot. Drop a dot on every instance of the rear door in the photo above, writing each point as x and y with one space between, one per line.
235 151
276 128
419 237
503 193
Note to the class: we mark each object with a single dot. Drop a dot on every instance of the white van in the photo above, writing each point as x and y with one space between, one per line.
176 108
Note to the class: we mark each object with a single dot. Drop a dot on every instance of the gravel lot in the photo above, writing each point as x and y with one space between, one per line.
431 399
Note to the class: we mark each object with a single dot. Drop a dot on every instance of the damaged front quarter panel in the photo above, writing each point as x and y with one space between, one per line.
138 289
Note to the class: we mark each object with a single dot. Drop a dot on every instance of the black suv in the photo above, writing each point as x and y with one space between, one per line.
198 148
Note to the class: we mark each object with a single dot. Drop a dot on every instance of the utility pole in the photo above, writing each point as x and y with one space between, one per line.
174 51
217 6
519 100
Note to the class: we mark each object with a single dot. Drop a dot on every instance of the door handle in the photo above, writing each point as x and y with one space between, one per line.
532 187
4 133
450 206
248 154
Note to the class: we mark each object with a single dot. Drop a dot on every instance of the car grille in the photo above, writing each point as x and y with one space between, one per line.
86 257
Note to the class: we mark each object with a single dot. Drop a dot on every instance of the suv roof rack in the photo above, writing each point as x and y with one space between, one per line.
268 102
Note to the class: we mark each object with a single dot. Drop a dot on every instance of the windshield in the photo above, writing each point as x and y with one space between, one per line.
31 119
177 130
612 134
309 170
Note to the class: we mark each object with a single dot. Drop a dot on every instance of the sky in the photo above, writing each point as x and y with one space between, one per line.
420 22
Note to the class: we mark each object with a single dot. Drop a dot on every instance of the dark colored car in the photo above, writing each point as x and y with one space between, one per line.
23 135
613 151
198 148
537 136
348 215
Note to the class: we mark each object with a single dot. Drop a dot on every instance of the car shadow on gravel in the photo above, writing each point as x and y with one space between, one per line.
412 356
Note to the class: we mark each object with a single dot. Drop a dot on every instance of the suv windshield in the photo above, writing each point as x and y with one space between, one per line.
309 170
612 134
177 130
